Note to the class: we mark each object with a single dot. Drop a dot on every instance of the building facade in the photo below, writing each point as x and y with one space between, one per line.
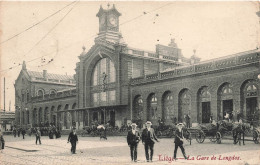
116 83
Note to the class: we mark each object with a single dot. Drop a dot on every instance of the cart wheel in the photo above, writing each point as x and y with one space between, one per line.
218 137
200 136
213 139
256 137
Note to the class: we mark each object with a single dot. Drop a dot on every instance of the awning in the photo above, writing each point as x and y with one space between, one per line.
92 108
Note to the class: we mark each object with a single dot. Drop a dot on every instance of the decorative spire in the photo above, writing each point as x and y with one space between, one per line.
83 50
108 5
24 66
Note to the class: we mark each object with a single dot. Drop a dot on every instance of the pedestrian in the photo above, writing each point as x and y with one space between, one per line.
73 139
179 141
14 132
23 132
19 131
38 136
133 138
2 141
187 119
148 140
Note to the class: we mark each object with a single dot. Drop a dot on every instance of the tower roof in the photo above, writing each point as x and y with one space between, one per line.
109 10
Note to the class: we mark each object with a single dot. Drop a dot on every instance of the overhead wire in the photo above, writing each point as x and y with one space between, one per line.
144 13
48 17
42 40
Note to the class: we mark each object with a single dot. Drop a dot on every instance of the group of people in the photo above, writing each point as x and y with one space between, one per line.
19 131
148 139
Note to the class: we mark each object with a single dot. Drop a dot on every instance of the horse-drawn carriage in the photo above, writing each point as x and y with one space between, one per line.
216 133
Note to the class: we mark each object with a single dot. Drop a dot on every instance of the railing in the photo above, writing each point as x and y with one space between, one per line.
148 54
210 65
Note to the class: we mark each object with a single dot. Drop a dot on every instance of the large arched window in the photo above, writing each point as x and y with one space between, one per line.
138 108
168 105
104 72
152 107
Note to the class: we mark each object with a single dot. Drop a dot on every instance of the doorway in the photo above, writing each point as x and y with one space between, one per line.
227 108
54 119
95 116
251 108
112 118
205 112
102 117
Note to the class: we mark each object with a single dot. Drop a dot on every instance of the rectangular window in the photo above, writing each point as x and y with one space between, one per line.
112 95
103 96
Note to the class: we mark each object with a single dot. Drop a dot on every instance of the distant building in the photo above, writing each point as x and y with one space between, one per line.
116 83
7 119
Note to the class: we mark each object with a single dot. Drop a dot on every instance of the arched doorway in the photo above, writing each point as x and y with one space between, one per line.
138 113
53 116
40 117
60 117
34 119
152 107
66 116
204 105
250 93
184 104
225 99
167 106
46 116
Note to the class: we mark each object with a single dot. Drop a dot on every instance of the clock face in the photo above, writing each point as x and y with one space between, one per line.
113 20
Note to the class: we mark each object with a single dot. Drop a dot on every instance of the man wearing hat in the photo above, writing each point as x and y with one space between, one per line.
73 139
133 138
148 139
179 141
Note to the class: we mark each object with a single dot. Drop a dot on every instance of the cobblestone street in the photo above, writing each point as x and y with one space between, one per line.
90 150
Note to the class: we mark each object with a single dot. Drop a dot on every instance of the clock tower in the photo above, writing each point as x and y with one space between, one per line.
109 25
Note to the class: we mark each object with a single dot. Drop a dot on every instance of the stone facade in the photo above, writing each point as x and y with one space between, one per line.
116 83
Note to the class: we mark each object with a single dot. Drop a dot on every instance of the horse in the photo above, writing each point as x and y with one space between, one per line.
239 130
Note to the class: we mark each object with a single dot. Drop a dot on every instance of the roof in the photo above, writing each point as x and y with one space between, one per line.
34 74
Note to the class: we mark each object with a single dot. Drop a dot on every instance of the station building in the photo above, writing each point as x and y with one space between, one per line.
116 83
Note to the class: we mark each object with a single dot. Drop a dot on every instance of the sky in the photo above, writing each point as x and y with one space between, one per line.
214 29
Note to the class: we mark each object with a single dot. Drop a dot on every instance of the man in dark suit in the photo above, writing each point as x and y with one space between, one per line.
73 139
179 141
133 138
148 139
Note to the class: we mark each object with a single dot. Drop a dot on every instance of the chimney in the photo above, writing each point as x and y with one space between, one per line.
45 74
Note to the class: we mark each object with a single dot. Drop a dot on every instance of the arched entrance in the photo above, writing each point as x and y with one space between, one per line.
53 116
60 117
40 117
250 93
46 118
184 104
167 106
138 113
66 117
204 105
34 119
152 107
225 99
